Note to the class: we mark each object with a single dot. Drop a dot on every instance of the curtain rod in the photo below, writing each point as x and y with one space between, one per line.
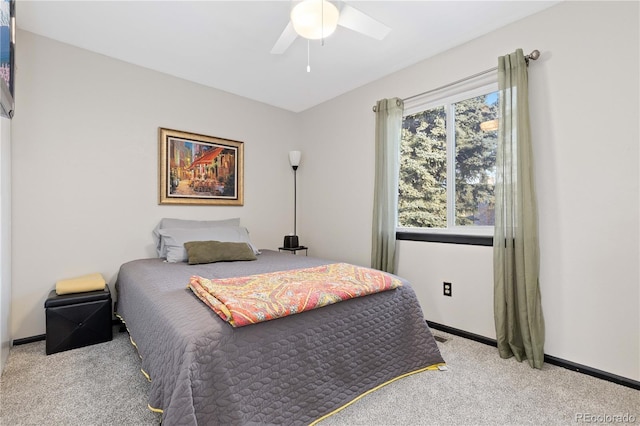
532 56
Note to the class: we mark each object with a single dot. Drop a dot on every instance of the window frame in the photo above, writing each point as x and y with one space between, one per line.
474 235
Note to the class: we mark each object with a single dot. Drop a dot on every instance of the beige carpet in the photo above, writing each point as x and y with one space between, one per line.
95 385
102 385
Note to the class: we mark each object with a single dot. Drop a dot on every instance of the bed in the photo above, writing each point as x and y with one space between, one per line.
292 370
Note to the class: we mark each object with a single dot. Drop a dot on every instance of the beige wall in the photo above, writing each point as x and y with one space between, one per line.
85 161
584 112
5 240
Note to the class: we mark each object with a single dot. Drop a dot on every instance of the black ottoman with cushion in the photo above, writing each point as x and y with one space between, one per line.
77 319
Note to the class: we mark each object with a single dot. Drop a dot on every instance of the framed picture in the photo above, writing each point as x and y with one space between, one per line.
199 169
7 57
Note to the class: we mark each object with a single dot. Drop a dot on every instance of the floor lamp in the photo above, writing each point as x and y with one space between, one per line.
291 241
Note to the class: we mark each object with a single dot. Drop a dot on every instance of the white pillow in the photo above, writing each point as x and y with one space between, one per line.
174 239
184 223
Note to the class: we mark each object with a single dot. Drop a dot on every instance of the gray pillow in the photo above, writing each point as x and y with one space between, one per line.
175 238
184 223
217 251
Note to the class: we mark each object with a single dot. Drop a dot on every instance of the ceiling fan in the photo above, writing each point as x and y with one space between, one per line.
317 19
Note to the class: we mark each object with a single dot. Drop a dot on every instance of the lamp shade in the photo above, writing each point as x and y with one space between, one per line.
294 158
315 19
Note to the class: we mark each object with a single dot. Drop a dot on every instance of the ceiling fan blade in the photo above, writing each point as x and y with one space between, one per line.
357 21
286 38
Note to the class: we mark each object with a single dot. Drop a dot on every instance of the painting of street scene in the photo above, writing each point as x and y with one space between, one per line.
5 42
200 169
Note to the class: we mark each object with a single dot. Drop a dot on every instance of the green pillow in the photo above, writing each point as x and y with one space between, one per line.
217 251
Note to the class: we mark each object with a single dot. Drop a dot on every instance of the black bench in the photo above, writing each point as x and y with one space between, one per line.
77 319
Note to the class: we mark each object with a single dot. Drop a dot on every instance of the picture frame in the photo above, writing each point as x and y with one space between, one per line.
7 57
200 170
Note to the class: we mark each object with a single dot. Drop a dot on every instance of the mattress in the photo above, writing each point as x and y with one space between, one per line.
291 370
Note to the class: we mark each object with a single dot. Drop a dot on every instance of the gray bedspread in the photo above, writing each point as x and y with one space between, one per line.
291 370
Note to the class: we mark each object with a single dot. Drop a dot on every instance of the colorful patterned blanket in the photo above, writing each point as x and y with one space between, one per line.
255 298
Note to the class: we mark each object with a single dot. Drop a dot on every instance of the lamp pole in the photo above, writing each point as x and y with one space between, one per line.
291 241
295 201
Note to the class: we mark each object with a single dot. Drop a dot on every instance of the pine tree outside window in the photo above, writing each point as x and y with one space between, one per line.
447 163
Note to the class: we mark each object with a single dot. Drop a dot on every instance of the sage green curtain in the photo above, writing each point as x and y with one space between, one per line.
518 311
385 196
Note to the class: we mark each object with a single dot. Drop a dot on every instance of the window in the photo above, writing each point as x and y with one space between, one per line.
447 164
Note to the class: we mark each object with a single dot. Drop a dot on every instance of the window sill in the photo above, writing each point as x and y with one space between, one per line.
439 237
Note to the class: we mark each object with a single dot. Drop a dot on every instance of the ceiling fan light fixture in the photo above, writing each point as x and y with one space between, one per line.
315 19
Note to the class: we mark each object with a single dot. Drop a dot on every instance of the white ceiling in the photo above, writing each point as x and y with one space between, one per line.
227 44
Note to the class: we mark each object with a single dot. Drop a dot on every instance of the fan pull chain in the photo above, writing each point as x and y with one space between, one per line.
308 55
322 21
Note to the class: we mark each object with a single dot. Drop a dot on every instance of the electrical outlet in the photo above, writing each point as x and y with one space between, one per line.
447 289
